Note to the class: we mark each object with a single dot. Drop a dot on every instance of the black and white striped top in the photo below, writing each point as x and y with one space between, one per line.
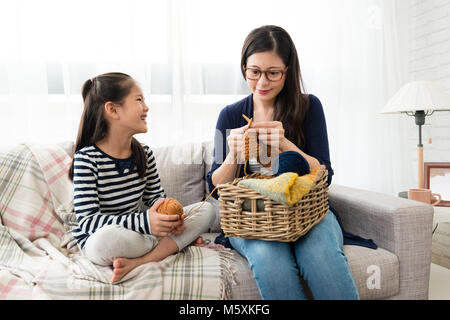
107 191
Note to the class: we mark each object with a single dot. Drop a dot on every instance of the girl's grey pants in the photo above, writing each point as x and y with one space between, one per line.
113 241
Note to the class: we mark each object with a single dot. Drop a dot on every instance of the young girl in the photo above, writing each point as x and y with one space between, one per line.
288 121
112 173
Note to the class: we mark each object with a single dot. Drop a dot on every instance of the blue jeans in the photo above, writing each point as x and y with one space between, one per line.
318 256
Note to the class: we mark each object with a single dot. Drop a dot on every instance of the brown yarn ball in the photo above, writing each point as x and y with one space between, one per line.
170 206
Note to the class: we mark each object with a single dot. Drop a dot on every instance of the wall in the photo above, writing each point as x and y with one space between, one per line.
428 56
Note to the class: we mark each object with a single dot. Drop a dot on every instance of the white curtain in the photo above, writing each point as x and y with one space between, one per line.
186 55
354 70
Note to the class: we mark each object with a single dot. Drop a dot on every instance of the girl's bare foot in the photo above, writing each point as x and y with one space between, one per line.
165 247
122 266
199 242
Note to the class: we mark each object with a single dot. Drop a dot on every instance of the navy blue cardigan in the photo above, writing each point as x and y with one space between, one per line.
316 146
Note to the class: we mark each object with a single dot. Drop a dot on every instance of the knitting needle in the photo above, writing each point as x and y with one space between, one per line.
235 158
248 120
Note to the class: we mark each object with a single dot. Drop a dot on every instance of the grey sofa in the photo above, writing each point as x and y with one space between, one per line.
402 229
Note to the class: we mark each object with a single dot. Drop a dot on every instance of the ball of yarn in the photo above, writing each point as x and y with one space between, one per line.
290 161
170 206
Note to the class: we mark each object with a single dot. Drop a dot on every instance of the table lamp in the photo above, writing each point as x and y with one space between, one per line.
419 99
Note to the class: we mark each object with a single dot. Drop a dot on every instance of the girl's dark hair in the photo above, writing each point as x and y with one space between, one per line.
291 103
113 87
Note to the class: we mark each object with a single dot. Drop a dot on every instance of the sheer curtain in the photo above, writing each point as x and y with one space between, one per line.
185 54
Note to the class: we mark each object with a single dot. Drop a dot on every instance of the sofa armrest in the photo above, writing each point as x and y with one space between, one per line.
399 225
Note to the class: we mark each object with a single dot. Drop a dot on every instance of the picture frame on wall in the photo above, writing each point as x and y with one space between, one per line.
437 179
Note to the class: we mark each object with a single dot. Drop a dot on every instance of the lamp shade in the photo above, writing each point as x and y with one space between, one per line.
418 96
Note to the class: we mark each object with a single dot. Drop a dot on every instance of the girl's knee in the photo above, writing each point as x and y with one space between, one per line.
100 243
97 253
205 216
113 241
210 213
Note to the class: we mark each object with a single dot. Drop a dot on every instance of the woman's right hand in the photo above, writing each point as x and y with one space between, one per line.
235 141
163 224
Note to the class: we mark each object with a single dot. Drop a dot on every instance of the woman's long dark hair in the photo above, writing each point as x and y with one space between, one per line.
113 87
291 104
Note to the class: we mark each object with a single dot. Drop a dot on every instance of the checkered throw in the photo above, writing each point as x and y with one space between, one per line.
39 258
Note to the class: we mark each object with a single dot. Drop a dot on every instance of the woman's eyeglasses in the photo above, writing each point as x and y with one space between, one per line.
271 75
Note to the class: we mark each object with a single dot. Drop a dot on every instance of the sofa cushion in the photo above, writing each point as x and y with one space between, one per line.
181 170
367 264
67 146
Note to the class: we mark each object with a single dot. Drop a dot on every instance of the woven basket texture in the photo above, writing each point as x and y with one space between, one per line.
245 213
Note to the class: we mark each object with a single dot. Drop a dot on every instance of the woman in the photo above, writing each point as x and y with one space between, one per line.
288 121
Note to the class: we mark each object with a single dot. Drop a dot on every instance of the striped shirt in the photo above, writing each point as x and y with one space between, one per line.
107 191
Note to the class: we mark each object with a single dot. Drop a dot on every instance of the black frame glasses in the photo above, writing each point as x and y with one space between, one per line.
267 73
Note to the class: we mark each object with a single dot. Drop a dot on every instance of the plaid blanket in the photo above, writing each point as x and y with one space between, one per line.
39 258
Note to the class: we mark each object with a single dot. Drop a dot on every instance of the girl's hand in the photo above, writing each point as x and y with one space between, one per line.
181 227
271 133
235 140
163 224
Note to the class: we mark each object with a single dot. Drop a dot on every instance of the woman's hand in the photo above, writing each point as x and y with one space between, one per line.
270 133
235 141
163 224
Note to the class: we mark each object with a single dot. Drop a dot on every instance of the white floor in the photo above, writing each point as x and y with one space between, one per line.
440 277
439 283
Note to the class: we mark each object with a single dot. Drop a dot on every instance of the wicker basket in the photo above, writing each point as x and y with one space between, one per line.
278 222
